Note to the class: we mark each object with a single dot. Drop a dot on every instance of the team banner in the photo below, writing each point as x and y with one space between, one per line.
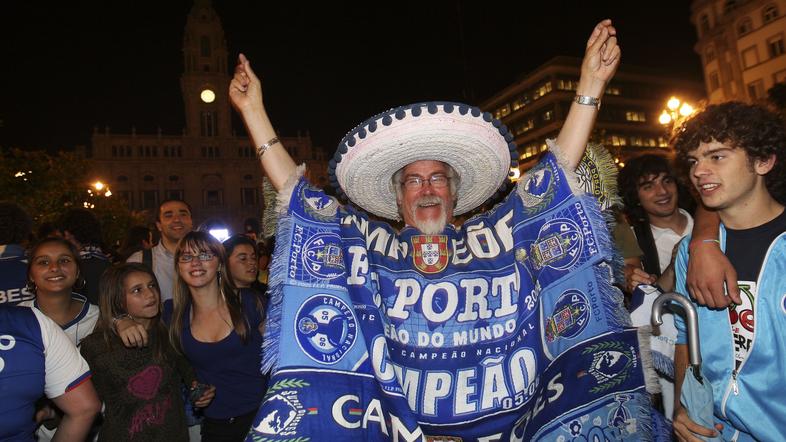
505 329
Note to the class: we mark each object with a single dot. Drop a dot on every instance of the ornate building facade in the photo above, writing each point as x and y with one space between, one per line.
208 166
742 47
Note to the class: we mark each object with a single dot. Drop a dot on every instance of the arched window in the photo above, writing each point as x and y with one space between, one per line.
769 13
744 26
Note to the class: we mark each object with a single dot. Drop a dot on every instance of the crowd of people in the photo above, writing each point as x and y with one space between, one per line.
169 335
152 379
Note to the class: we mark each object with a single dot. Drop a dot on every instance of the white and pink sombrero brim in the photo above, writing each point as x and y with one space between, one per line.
479 147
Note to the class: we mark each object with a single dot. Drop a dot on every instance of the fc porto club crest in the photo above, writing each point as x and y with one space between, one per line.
611 364
536 189
558 245
322 256
430 253
325 328
570 318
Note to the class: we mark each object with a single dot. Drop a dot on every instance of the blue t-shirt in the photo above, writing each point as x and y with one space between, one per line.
230 365
13 275
36 359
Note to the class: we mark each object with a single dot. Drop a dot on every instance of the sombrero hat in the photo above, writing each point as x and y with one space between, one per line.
479 147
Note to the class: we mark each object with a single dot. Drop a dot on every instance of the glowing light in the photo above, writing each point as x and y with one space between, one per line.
207 96
220 234
664 118
686 109
98 185
108 192
673 103
19 174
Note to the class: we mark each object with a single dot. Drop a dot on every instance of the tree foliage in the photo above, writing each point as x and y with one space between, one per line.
46 186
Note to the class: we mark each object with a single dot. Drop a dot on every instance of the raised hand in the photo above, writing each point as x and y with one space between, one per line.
601 59
245 89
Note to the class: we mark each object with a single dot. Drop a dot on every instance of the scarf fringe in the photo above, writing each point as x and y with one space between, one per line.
647 363
271 342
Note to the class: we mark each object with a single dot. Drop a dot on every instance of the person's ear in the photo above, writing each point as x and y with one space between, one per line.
763 167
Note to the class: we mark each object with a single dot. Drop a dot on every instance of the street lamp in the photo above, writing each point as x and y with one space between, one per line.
675 113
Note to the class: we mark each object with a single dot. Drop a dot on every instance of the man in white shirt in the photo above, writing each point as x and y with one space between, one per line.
173 221
651 195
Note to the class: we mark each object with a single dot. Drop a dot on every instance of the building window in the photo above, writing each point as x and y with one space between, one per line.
122 179
779 76
245 152
140 151
179 151
148 178
174 178
503 111
204 46
214 198
128 151
567 85
525 127
249 196
714 81
635 116
208 124
541 91
210 152
175 194
149 199
612 90
744 26
756 90
616 140
114 151
704 24
750 57
709 54
128 197
775 46
769 13
548 115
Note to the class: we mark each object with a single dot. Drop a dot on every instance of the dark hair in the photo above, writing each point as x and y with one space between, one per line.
80 281
629 176
181 296
113 304
754 129
84 225
15 224
171 200
132 243
251 225
236 240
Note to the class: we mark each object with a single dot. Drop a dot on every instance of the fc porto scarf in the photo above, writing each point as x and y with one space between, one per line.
505 329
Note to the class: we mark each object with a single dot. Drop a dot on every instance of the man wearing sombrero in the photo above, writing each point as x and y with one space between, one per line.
505 328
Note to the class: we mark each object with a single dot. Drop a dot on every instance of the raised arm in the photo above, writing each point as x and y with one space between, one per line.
601 60
245 93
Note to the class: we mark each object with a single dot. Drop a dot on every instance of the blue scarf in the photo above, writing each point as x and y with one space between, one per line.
506 328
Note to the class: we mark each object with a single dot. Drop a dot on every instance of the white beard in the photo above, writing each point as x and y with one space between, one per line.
432 226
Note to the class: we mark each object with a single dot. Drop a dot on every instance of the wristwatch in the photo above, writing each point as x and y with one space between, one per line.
587 101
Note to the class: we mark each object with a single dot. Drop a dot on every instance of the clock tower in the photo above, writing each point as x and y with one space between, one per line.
205 80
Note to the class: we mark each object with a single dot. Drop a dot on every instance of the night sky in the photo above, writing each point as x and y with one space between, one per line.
70 66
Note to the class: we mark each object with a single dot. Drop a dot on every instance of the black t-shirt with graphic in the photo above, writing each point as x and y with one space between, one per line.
746 250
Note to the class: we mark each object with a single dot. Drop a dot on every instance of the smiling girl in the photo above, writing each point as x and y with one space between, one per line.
140 387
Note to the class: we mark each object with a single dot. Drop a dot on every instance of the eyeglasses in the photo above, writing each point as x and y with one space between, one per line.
415 182
187 257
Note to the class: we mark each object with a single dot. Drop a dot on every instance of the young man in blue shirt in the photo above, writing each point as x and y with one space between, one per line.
731 151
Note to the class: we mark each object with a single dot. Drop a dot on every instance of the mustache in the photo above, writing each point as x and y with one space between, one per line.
428 199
